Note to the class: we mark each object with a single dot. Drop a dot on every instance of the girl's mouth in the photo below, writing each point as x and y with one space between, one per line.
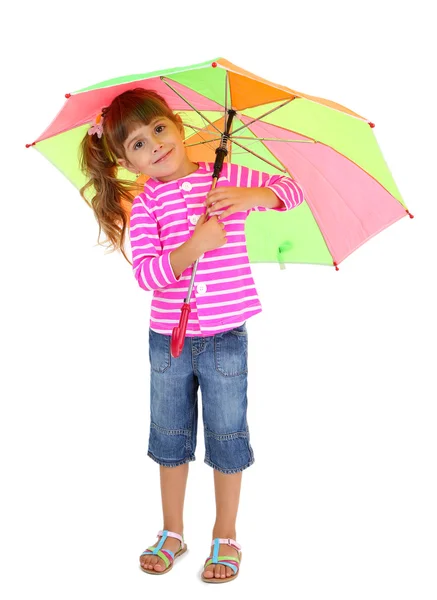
162 159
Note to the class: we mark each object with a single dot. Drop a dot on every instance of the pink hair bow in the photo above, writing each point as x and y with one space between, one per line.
97 126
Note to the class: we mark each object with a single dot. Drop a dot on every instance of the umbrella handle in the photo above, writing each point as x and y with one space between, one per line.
178 333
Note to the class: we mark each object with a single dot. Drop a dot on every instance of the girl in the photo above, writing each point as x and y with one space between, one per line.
168 233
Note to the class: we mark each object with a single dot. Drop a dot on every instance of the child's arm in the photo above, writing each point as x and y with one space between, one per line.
155 268
208 235
151 265
254 190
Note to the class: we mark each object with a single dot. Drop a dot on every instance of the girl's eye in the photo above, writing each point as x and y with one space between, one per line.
159 128
136 145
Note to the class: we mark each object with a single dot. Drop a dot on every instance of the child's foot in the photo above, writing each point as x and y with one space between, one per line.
154 563
220 571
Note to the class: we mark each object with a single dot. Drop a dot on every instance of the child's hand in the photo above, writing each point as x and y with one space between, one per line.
209 235
232 199
239 199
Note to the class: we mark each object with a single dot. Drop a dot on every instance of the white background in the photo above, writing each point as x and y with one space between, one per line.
341 502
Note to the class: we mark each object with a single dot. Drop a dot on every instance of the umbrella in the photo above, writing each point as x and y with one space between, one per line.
350 194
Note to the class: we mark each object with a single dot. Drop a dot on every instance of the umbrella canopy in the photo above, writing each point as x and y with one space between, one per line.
350 194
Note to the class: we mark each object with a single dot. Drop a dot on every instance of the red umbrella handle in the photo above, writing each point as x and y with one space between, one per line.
178 334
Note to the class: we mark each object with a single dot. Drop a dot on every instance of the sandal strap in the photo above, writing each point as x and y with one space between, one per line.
171 534
229 561
215 553
166 555
227 541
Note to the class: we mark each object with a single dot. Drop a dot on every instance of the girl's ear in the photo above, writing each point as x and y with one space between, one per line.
180 125
124 163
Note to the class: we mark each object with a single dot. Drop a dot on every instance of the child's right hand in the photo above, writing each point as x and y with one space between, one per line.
209 235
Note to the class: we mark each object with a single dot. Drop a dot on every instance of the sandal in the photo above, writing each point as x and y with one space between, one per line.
166 555
233 562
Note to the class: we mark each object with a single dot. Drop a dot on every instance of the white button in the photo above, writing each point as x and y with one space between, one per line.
194 219
201 288
186 186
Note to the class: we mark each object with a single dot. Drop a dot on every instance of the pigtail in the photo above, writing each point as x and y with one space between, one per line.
100 148
113 197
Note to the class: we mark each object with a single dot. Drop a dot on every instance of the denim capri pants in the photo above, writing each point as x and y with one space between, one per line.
218 365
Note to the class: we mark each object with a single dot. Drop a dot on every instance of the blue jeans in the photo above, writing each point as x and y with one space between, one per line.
218 364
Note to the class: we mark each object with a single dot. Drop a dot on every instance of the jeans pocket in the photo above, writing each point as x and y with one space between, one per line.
230 352
159 351
240 330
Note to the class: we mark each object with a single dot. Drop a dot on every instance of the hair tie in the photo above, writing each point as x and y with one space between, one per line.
97 126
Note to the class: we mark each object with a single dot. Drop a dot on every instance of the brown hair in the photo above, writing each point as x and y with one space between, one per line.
98 160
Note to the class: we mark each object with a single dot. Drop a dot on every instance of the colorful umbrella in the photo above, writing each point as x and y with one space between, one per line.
350 194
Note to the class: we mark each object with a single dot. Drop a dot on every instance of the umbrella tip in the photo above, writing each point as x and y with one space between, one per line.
409 214
29 145
336 267
68 95
214 64
372 125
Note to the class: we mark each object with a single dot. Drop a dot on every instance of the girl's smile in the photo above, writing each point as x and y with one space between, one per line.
163 158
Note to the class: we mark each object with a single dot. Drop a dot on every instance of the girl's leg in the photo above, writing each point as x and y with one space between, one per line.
173 431
227 497
223 381
173 486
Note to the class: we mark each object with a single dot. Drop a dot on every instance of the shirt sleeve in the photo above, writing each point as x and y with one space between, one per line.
286 189
151 265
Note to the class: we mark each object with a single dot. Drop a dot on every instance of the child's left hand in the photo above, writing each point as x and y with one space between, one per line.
238 199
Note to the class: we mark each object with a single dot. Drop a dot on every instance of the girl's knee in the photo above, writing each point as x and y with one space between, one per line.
170 447
228 452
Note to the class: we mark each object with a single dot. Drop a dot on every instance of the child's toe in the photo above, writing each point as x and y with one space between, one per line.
208 573
149 563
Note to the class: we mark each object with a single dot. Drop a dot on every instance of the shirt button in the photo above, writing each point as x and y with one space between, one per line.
194 219
201 289
186 186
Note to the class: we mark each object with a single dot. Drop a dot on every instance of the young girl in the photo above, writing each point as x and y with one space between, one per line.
168 233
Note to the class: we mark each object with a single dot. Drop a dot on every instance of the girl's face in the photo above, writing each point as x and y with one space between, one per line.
158 150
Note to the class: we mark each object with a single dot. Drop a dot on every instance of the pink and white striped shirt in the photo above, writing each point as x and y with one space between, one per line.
164 216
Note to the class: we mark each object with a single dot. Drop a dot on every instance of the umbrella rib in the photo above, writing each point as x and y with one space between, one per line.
286 170
264 115
261 139
199 128
203 142
204 131
232 137
254 139
189 104
259 156
226 109
226 94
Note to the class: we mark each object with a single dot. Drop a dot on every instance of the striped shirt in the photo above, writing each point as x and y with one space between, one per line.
164 216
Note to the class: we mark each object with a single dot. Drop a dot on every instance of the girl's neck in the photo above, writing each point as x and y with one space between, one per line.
191 167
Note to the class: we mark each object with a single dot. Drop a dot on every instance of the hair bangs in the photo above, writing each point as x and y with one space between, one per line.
130 111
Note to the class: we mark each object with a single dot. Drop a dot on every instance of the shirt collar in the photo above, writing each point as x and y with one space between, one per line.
151 184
